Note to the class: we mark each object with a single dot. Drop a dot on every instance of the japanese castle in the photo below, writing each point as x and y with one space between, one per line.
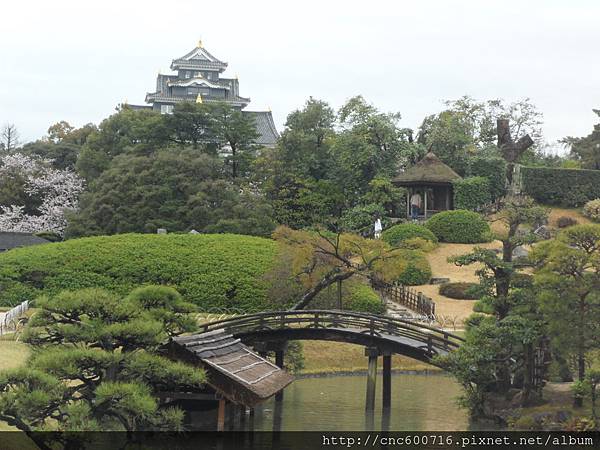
198 79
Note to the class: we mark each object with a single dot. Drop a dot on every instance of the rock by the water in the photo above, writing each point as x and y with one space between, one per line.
439 280
520 252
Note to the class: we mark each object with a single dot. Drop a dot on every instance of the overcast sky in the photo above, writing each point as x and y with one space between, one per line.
76 60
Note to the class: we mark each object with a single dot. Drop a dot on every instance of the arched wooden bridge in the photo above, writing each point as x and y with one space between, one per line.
381 335
387 334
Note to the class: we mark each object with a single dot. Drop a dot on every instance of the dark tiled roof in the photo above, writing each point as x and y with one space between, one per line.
265 126
159 97
234 369
429 170
198 58
9 240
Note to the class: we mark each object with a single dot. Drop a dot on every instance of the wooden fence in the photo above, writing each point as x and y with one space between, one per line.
408 297
10 319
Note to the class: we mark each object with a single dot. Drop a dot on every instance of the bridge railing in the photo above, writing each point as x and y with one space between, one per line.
374 325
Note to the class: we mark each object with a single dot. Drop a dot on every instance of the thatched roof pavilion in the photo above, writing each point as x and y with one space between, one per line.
432 179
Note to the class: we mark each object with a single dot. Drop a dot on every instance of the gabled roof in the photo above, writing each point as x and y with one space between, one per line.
199 58
265 127
234 371
197 81
429 170
10 240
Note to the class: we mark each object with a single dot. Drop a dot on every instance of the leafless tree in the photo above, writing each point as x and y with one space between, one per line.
9 137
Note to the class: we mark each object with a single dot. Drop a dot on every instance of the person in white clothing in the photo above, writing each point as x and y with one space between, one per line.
378 228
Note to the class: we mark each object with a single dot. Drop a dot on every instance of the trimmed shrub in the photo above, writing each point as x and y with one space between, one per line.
396 234
471 193
565 187
417 271
363 298
460 291
459 226
223 271
494 169
592 210
566 221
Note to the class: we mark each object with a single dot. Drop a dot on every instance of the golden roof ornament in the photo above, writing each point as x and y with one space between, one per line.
199 98
200 45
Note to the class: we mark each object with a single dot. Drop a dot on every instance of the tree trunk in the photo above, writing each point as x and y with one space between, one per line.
329 279
510 150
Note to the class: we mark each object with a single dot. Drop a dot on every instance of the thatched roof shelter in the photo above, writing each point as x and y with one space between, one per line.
430 170
234 370
432 180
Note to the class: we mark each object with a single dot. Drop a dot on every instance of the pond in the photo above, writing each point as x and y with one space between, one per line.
420 402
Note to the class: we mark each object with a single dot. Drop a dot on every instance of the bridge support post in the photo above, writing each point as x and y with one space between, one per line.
387 381
372 353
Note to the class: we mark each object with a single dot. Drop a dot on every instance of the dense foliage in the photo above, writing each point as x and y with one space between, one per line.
586 150
494 169
97 367
564 187
568 276
471 193
179 190
399 233
459 226
212 271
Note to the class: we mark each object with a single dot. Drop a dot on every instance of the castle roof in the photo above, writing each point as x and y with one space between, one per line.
198 59
265 127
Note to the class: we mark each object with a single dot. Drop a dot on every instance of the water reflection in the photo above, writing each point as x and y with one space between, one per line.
419 402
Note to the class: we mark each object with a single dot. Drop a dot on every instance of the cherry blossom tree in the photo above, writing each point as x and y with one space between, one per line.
58 190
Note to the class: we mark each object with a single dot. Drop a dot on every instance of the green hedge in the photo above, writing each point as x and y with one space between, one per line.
404 231
212 271
418 269
494 169
459 226
563 187
471 193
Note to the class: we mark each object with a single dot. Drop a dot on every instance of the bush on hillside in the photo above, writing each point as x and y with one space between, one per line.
471 193
418 243
565 187
362 298
215 272
459 226
417 271
565 221
492 168
460 291
396 234
592 210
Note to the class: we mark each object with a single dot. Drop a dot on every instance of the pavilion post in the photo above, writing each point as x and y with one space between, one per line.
372 353
387 380
425 195
221 415
408 203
